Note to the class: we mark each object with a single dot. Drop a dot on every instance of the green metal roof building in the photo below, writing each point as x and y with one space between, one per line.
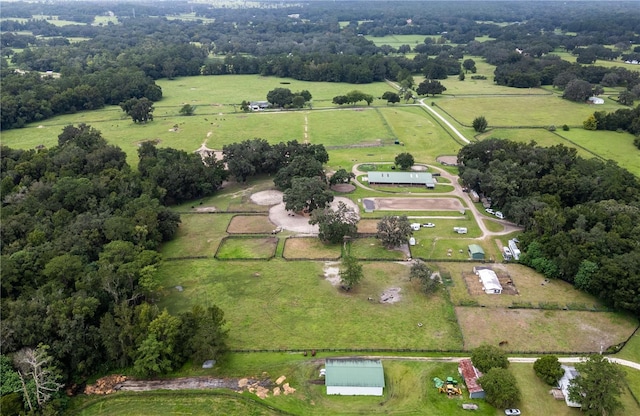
402 178
354 377
476 252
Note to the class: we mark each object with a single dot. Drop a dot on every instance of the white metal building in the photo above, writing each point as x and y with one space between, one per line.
490 283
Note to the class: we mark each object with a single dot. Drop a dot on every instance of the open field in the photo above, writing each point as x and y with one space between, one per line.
371 248
250 224
310 248
534 110
543 330
279 304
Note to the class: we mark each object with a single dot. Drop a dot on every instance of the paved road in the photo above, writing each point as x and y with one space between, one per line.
445 121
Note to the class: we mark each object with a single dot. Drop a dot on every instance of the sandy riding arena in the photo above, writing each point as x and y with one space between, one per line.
417 204
288 220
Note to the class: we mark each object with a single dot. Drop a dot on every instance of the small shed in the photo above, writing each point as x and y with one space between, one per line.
354 377
595 100
476 252
569 374
471 376
259 105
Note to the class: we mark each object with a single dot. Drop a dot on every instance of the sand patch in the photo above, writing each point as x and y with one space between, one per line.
343 187
391 295
448 160
332 273
267 198
418 168
206 209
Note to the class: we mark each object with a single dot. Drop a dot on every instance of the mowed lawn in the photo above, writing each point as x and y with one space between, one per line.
280 304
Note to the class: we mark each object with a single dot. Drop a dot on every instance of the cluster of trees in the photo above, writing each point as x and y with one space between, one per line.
429 86
580 215
79 240
353 97
284 98
32 96
257 156
620 120
500 386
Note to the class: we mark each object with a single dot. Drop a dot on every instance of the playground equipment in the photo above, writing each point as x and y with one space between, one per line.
450 387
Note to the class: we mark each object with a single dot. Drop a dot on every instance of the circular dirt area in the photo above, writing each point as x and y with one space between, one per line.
343 187
267 198
300 223
418 168
448 160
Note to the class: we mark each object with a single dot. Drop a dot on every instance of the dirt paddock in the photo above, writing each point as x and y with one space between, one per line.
417 204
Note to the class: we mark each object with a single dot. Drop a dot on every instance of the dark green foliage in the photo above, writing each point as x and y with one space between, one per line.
548 369
578 90
187 110
501 388
307 194
598 386
140 110
430 86
353 97
183 176
486 357
299 167
423 273
579 215
284 98
404 160
335 225
393 231
391 97
350 272
257 156
623 119
341 176
480 124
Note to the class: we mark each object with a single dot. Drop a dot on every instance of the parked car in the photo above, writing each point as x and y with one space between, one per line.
490 211
428 225
512 412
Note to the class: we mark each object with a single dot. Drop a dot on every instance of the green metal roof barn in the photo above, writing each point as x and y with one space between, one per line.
354 377
476 252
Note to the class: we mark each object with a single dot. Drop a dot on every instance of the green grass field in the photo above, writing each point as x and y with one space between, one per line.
279 304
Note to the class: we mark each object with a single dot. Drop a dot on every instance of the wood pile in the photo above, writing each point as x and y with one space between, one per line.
106 385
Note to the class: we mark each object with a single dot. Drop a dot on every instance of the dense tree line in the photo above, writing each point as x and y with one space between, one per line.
624 119
79 237
580 215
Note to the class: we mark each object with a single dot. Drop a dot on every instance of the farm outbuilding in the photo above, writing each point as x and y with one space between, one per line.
471 376
354 377
259 105
489 279
476 252
402 178
569 374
